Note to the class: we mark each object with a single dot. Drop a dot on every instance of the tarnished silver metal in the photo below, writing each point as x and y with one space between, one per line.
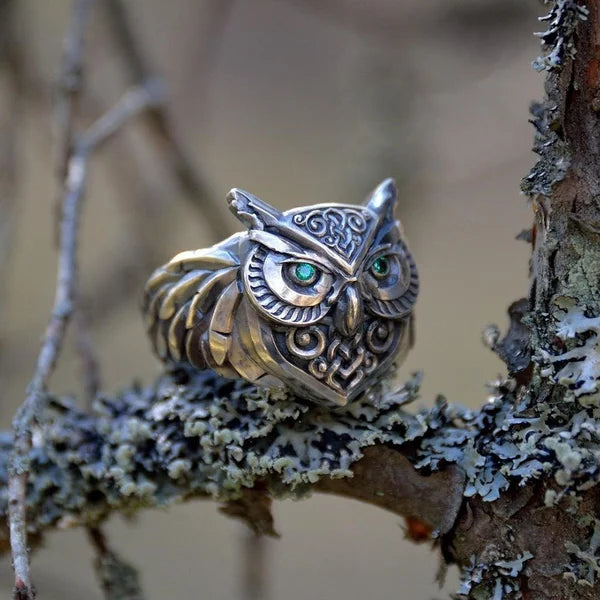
317 299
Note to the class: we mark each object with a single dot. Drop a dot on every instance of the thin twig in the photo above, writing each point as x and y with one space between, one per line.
254 560
87 353
145 96
70 84
98 540
132 102
119 580
12 88
195 189
68 96
28 412
68 90
115 576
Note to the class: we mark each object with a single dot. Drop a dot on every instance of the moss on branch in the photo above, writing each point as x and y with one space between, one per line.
193 434
510 491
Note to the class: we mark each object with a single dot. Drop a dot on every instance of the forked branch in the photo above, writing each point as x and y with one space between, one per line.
29 413
494 487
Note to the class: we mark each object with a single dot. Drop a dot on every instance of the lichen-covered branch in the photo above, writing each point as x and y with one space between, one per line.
510 492
132 102
194 434
200 435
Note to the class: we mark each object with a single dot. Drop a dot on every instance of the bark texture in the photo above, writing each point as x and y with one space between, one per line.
509 493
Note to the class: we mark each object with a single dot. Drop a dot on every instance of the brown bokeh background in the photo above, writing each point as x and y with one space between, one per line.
298 101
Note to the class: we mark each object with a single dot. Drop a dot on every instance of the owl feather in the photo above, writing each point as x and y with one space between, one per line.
190 305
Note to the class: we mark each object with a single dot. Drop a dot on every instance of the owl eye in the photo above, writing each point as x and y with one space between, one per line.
303 273
392 282
380 267
289 289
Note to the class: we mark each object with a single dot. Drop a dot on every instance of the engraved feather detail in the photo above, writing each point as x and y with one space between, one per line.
190 305
317 299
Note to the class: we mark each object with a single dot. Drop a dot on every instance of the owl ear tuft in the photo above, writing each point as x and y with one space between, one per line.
252 211
382 200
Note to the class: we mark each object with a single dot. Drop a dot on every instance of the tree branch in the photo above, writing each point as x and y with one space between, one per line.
69 85
195 189
171 442
131 103
386 478
11 84
119 580
494 486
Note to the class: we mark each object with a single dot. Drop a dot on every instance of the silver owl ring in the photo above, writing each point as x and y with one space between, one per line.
316 299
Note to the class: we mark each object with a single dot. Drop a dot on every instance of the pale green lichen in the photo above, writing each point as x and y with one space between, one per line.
585 564
557 40
583 280
493 580
557 46
194 432
548 143
577 367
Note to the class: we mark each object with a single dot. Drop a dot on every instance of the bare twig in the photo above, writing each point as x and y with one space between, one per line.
120 281
68 93
70 84
253 580
119 580
68 90
195 189
29 411
145 96
132 102
253 508
11 87
87 352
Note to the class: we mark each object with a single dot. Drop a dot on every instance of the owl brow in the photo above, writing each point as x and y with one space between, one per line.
272 242
298 256
379 250
283 246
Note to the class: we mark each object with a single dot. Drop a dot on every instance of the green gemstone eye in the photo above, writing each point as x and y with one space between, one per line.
305 273
380 266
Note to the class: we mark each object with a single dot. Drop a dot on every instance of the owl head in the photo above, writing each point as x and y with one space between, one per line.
318 299
332 287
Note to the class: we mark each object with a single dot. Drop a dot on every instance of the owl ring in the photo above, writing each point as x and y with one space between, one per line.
316 299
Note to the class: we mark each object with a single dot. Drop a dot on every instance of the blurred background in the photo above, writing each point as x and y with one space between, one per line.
298 101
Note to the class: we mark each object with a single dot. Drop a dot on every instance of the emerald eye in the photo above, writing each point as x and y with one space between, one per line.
380 266
305 273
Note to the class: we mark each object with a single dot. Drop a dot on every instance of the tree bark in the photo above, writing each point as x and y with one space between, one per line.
510 492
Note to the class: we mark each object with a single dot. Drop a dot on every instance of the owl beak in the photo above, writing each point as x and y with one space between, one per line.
349 311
